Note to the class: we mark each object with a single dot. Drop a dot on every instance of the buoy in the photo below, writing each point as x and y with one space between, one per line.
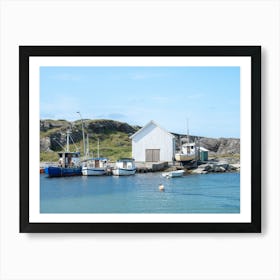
161 187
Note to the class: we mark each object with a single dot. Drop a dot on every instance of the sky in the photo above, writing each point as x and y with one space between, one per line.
205 100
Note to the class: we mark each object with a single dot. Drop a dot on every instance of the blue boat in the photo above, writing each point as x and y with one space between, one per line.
55 171
68 165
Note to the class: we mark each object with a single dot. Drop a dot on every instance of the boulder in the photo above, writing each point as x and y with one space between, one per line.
45 143
219 169
198 171
208 167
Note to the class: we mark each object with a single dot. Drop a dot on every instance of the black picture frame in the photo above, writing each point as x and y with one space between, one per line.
253 52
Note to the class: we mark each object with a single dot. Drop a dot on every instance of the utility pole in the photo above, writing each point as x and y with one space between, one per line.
98 147
83 130
87 146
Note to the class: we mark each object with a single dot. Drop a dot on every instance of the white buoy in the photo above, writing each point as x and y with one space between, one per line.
161 187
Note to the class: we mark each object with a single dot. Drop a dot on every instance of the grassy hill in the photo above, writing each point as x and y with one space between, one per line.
113 138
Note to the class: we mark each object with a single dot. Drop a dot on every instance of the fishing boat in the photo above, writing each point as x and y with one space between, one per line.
94 166
172 174
68 164
188 152
124 167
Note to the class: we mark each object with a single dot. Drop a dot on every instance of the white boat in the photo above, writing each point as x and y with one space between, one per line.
124 167
94 166
187 153
172 174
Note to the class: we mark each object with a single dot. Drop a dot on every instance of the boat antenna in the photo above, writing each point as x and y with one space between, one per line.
188 132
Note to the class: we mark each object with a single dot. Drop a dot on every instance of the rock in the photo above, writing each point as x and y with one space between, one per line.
106 126
232 168
45 125
198 171
45 144
229 146
208 167
222 169
223 164
210 144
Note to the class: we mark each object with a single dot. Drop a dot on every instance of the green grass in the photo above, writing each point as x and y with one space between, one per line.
49 132
48 156
111 145
234 156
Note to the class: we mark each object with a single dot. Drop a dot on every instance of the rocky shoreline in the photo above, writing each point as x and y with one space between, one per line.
216 167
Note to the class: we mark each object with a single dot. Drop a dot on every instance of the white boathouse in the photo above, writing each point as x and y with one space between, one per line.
153 143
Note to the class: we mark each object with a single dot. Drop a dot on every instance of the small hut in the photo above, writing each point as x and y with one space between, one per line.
203 154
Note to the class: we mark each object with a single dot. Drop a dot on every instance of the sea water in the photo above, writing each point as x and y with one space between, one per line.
203 193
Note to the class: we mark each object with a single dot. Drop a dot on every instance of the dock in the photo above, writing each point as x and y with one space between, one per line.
145 167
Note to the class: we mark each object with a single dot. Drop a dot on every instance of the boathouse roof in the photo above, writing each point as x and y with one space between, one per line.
147 125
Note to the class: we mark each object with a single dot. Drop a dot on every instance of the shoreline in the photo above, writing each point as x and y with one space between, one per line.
213 165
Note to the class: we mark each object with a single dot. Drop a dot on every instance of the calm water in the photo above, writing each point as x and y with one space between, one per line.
209 193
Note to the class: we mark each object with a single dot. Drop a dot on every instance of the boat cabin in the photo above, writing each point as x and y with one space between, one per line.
188 148
126 163
95 163
69 159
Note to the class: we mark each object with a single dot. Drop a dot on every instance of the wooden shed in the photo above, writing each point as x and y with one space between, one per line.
153 143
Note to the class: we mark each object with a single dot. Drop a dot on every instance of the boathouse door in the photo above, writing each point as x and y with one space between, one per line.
152 155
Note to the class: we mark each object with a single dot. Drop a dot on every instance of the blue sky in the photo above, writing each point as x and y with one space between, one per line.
209 97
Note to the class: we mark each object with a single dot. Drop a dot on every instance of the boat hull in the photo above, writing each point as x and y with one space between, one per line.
93 171
123 171
173 174
54 171
184 157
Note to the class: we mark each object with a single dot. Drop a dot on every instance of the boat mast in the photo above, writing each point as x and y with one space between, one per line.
188 132
87 146
98 147
68 132
83 130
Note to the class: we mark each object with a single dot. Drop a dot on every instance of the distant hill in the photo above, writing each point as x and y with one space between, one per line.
113 137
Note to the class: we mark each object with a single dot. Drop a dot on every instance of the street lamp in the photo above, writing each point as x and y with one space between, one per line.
83 130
